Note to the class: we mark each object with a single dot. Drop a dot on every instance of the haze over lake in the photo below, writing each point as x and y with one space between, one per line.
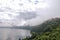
25 12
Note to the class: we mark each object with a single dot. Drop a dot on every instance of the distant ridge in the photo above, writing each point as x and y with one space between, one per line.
39 28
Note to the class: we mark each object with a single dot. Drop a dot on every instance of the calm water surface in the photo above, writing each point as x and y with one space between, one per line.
13 34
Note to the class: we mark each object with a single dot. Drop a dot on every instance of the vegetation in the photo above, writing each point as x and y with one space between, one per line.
50 30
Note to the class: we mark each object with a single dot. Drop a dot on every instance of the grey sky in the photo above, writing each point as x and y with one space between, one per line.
22 12
36 13
29 13
45 13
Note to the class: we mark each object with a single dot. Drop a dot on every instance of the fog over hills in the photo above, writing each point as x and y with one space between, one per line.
21 13
27 12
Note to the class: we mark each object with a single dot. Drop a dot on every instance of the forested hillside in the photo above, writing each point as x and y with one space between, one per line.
49 30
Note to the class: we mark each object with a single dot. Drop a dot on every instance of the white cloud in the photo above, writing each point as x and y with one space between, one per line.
10 15
11 9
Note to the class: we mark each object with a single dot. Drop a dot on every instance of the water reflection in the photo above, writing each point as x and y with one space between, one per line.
13 34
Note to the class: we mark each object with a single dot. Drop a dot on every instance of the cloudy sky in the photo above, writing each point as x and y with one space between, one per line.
27 12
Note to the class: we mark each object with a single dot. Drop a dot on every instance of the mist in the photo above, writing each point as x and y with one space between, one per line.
21 13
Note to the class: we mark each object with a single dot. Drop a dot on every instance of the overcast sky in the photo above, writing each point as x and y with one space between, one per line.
27 12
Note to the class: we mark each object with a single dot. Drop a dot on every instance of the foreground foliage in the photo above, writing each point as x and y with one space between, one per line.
51 32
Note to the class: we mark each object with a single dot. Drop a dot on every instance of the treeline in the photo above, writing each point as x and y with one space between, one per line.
49 30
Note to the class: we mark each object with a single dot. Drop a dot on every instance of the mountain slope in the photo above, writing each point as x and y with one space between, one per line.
49 30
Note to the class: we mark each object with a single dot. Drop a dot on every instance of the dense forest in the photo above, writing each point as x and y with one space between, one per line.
49 30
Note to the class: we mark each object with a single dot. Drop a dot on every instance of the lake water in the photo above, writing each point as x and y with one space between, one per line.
13 34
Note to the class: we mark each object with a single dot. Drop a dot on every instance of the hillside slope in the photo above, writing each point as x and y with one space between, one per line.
49 30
